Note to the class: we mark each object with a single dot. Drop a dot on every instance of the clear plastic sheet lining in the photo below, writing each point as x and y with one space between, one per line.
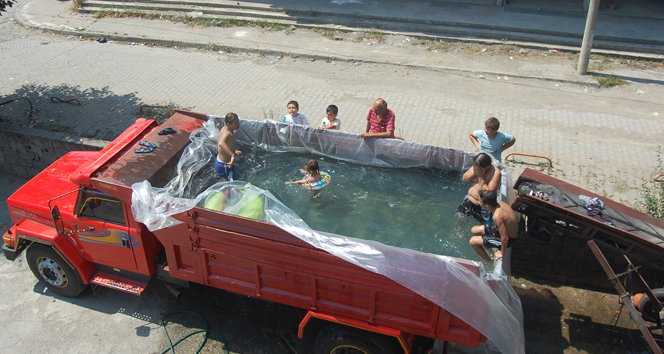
486 302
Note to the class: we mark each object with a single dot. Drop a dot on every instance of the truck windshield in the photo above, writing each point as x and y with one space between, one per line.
101 206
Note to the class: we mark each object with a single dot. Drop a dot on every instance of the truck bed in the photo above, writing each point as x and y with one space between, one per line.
258 259
563 218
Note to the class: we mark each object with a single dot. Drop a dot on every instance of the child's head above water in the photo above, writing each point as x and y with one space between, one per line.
331 112
293 108
311 167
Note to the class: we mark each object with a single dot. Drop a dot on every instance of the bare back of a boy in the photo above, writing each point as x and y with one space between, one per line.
226 144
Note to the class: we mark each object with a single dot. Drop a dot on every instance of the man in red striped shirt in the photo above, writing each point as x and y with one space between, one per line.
380 121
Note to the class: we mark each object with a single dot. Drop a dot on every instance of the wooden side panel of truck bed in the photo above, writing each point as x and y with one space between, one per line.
258 259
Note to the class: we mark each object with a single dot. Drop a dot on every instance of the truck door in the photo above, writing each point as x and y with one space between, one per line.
101 230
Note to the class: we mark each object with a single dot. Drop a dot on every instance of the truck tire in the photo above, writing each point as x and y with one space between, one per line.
339 339
645 306
52 271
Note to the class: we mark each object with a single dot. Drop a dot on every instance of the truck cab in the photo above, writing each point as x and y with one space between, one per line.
78 211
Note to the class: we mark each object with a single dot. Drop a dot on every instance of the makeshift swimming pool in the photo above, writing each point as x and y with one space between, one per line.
500 318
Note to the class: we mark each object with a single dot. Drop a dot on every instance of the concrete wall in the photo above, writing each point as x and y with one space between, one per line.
24 152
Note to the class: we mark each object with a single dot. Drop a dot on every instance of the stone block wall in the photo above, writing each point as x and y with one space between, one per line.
24 152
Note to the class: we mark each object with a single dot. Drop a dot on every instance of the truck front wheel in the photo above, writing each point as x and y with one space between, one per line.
338 339
52 271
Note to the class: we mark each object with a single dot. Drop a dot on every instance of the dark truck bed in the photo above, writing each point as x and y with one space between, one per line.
554 246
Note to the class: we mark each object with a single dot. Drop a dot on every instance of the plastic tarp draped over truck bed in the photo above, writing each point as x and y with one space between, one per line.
488 303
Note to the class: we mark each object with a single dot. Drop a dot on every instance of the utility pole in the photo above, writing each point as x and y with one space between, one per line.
588 35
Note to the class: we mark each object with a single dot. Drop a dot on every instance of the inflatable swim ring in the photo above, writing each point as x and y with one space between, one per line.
325 179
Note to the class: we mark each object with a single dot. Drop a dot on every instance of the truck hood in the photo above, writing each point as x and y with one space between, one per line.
31 200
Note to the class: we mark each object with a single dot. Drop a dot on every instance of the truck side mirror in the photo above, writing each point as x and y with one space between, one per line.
57 220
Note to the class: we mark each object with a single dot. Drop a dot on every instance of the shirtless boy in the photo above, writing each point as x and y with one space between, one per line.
484 177
500 232
224 164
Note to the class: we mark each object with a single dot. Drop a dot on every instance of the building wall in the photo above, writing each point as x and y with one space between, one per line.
24 152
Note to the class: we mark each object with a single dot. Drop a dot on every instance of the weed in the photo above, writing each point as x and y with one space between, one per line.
506 49
622 186
214 47
190 20
610 81
376 35
596 65
652 193
545 167
269 114
75 5
372 34
440 46
326 32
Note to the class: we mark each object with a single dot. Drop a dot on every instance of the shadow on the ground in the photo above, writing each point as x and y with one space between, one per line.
101 115
541 321
247 325
593 337
628 78
549 330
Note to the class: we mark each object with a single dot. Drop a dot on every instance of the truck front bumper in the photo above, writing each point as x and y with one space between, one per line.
9 238
10 254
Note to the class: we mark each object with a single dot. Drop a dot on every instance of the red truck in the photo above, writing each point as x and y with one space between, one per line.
75 221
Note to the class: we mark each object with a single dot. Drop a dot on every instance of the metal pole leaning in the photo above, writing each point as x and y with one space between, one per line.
588 35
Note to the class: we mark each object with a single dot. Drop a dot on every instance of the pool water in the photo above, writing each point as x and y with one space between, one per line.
405 207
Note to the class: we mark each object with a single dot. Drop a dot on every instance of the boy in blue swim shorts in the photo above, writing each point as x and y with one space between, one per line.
225 162
224 172
499 232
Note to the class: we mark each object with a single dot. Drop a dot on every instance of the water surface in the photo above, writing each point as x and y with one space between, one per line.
405 207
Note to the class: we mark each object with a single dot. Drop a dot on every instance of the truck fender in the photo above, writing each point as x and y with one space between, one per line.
32 231
400 336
